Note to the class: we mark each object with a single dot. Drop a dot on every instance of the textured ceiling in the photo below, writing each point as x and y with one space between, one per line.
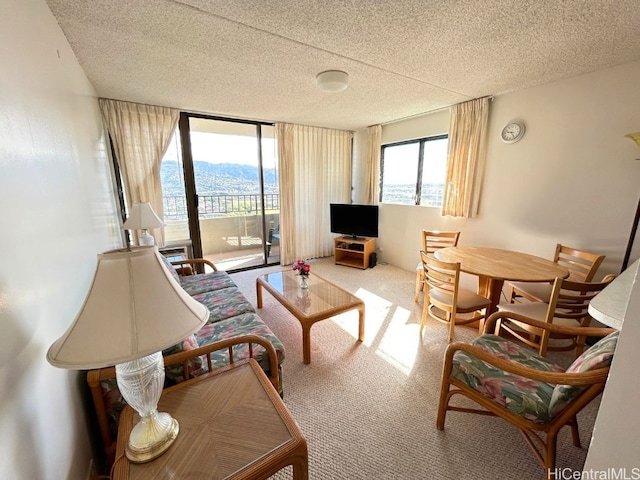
257 59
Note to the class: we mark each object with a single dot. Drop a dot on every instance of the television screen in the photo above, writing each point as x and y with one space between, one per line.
354 220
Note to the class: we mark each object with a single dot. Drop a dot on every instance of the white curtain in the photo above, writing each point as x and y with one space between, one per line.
372 172
141 135
466 157
315 170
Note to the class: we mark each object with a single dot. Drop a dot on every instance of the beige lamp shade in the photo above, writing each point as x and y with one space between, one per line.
134 308
142 217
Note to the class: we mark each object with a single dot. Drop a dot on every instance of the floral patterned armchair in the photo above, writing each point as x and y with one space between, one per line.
515 383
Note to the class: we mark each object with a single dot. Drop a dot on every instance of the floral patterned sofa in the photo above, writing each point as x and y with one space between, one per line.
231 317
230 314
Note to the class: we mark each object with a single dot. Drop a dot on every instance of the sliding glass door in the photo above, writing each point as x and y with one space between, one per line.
220 191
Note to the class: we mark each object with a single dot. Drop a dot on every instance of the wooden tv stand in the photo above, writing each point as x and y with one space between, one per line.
353 252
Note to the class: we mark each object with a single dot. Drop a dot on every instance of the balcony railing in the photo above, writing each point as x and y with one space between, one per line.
212 206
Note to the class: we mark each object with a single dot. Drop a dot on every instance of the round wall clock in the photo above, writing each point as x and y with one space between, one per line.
512 132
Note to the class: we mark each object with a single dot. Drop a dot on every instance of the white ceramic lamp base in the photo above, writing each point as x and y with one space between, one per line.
146 239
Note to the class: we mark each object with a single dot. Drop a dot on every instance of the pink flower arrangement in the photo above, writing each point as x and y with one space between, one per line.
302 267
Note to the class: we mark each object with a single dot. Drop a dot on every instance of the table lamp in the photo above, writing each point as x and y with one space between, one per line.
134 310
636 219
142 217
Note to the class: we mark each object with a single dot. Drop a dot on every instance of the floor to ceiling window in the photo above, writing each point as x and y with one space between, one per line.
220 191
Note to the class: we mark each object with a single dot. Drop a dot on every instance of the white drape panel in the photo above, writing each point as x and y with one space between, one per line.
141 135
284 136
315 170
465 157
372 171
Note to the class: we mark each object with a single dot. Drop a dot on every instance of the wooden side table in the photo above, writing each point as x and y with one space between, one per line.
233 425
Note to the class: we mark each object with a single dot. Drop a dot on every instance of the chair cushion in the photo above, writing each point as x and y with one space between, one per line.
244 324
467 300
522 396
599 355
206 282
537 311
224 303
541 291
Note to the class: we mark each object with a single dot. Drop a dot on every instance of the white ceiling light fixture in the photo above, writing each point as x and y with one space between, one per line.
332 80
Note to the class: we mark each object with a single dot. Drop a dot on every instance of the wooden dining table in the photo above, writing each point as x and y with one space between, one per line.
494 266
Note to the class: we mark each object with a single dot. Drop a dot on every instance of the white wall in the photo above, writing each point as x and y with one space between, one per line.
615 443
57 212
572 179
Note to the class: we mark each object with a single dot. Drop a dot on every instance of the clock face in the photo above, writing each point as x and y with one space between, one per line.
512 132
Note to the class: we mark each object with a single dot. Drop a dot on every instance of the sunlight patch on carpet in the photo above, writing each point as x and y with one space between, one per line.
388 330
399 341
376 310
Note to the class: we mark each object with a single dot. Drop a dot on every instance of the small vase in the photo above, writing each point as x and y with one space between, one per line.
302 281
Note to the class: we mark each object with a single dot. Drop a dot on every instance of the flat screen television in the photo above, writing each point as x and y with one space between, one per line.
354 220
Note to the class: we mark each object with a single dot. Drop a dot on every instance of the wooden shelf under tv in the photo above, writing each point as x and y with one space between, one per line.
354 252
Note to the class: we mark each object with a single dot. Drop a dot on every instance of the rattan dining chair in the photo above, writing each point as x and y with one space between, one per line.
568 306
510 381
582 267
445 301
433 240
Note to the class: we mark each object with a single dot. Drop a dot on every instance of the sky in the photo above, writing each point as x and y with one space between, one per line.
223 148
401 163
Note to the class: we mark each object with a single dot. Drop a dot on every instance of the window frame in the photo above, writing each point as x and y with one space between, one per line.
421 148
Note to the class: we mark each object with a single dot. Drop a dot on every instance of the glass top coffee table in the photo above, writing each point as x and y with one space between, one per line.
320 301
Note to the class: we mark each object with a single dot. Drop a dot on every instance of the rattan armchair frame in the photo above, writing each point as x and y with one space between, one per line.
540 437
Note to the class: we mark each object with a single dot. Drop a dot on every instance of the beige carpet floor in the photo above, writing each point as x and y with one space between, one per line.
368 410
